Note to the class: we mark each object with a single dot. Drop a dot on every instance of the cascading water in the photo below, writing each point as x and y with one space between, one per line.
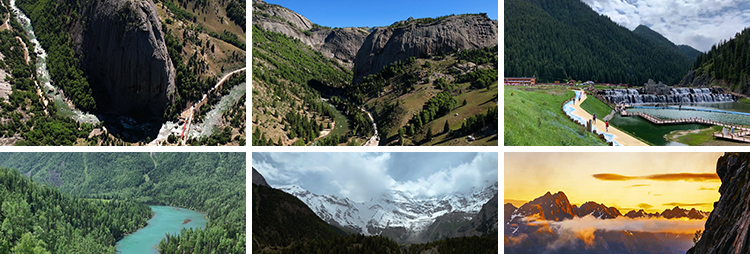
43 76
675 96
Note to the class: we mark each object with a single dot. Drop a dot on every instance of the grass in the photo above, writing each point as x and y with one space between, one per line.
477 101
342 124
695 138
595 106
535 118
744 100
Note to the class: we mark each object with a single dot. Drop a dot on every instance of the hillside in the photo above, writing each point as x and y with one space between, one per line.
316 85
561 40
725 65
212 183
658 39
42 219
171 55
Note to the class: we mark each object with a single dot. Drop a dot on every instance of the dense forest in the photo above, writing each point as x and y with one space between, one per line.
41 219
23 108
211 183
728 61
284 224
561 40
52 21
658 39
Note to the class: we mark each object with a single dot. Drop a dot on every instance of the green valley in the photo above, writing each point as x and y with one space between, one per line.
210 183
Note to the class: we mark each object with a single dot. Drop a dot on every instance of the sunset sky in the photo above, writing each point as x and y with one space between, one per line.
627 181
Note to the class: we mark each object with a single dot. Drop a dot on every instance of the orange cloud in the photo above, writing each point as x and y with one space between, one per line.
704 188
685 204
586 235
689 177
645 206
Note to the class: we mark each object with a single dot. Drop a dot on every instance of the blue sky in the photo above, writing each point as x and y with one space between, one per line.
698 23
358 13
361 176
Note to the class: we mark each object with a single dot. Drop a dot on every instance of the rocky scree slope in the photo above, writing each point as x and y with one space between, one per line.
421 38
340 43
727 227
121 48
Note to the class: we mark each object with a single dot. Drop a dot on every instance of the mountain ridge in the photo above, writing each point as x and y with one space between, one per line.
396 215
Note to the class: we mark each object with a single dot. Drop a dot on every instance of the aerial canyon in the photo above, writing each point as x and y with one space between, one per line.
419 81
122 72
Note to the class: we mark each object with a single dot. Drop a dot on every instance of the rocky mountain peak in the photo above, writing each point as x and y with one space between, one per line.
340 44
259 179
423 38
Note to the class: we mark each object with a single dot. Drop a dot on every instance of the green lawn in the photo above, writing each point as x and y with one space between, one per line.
694 139
595 106
535 118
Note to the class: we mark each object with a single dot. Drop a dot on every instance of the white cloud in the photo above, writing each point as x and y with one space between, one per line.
476 173
362 176
698 23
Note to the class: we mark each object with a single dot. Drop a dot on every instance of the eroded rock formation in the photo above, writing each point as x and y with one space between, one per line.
421 38
727 227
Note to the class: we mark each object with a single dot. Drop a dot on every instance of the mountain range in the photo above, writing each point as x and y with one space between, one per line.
528 236
395 214
566 39
316 85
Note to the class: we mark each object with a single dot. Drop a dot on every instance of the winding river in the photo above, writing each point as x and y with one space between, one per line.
166 220
130 127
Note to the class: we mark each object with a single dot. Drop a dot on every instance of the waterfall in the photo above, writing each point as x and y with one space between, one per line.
675 96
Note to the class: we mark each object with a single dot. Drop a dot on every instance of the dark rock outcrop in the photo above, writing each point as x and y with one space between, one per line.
259 179
508 211
121 48
418 39
727 227
340 44
640 214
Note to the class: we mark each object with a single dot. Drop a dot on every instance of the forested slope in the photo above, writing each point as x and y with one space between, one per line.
559 40
726 65
212 183
42 219
289 78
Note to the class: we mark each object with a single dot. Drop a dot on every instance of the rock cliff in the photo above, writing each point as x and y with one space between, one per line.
422 38
727 227
339 43
121 48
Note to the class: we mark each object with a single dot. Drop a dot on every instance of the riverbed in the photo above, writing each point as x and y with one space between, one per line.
166 220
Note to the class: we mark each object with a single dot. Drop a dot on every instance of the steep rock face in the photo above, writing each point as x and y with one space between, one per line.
121 48
415 38
727 227
340 44
259 179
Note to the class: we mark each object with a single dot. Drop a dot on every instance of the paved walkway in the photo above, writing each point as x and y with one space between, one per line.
619 136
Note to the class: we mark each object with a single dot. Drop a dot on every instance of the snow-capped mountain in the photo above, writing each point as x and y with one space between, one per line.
392 210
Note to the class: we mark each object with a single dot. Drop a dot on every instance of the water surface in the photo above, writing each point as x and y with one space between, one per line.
166 220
